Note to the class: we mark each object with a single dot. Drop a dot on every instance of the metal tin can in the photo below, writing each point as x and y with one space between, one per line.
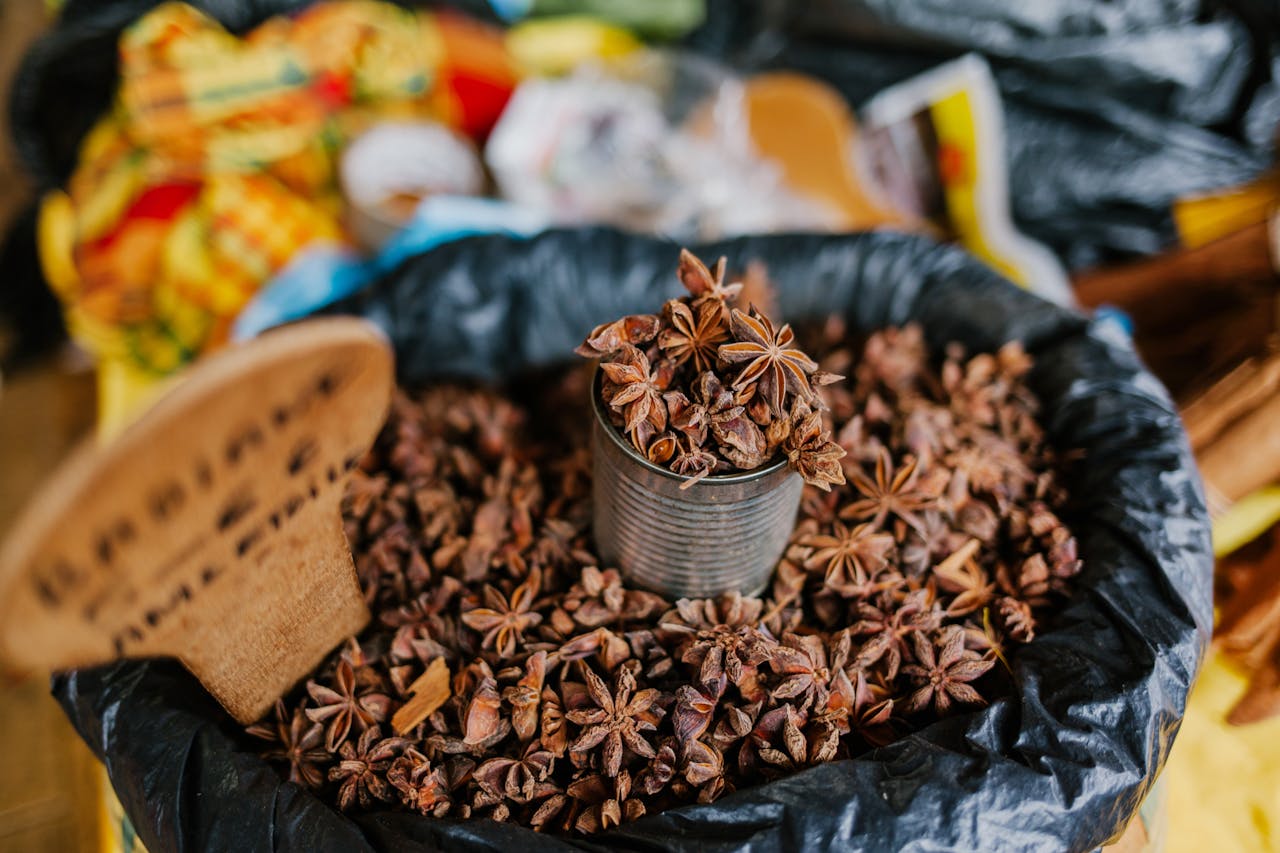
723 533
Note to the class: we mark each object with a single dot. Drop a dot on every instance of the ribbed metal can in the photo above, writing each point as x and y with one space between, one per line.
723 533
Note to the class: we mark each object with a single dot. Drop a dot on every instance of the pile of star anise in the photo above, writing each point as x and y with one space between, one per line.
507 676
716 389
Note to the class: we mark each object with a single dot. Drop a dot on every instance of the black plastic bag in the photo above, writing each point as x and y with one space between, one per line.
1112 110
1092 177
1062 764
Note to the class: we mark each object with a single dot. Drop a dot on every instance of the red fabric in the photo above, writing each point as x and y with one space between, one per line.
333 89
480 102
160 203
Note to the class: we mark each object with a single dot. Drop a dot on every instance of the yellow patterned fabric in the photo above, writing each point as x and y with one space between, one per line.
217 163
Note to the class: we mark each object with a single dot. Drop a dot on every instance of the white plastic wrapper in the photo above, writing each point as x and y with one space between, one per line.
655 143
388 170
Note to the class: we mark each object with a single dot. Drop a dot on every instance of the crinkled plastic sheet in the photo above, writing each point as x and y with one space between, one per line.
1062 764
1112 110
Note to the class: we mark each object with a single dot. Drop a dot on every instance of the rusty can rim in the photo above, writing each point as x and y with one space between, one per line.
602 420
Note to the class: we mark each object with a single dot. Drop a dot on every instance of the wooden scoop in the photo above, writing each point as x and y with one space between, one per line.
210 529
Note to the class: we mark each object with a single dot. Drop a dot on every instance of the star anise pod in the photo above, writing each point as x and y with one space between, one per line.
732 610
554 732
610 649
1018 621
772 363
661 770
654 657
735 653
793 751
417 642
489 528
618 719
363 493
823 736
990 465
960 575
636 389
804 670
599 598
892 492
345 706
692 461
714 396
662 448
297 744
559 544
608 338
695 707
426 606
423 788
525 696
686 417
1064 559
969 389
502 621
739 438
520 780
1031 582
703 763
720 638
736 723
550 809
872 716
944 676
695 334
848 556
840 697
812 453
987 640
766 726
363 767
705 284
888 630
609 802
482 722
933 541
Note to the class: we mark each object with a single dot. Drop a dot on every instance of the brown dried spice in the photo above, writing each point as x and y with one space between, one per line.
576 703
617 720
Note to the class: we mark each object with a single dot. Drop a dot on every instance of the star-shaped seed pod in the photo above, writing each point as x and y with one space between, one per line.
944 672
617 720
502 621
772 362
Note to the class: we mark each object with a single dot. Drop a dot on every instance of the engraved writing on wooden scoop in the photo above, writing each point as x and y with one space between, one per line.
210 529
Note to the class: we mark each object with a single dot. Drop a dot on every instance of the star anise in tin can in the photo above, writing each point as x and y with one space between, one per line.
731 384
